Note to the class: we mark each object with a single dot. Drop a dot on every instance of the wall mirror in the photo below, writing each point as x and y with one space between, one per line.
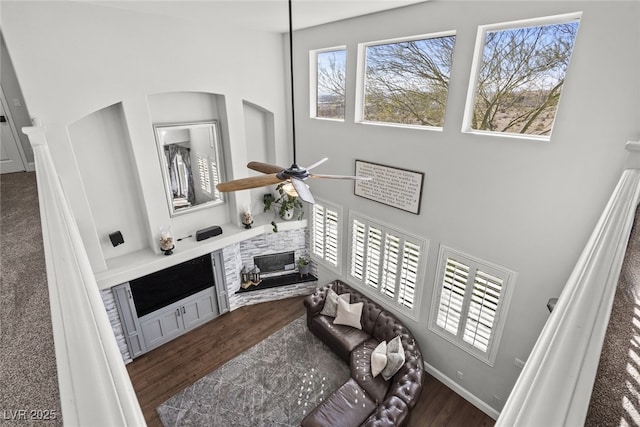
191 162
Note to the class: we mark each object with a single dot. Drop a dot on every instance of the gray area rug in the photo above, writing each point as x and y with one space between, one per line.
28 373
275 383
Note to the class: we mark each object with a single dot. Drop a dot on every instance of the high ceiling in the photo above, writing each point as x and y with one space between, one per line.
261 15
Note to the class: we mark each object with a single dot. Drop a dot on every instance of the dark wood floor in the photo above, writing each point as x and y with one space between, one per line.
165 371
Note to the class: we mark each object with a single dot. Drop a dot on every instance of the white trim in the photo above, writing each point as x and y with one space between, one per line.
509 277
313 81
361 77
477 60
463 392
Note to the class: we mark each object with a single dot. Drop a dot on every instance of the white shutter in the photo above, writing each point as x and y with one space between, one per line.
331 246
390 265
454 285
317 232
215 174
203 174
409 274
373 251
483 310
357 249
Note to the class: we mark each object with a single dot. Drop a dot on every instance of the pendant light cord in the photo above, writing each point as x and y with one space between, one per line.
293 113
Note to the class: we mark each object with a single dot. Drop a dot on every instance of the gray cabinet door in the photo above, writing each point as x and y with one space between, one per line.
129 319
199 310
161 326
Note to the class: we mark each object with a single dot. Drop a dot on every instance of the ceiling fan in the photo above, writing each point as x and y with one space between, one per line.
294 174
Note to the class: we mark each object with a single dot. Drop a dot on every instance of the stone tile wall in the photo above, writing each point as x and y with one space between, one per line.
109 302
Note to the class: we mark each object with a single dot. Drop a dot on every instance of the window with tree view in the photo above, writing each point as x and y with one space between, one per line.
520 73
406 82
330 83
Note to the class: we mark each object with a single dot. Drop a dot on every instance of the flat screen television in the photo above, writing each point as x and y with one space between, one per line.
159 289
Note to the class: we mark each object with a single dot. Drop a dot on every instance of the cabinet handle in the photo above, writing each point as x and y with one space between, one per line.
183 310
178 312
129 293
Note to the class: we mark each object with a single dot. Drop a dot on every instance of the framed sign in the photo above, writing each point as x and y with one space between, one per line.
399 188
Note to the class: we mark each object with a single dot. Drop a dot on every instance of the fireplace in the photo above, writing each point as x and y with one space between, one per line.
277 269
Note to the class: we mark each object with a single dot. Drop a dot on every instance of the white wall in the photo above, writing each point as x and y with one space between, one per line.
528 206
75 58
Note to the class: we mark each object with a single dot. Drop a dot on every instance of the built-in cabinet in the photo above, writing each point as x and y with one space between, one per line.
150 330
166 324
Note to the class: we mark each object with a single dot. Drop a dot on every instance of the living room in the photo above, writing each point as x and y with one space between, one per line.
520 203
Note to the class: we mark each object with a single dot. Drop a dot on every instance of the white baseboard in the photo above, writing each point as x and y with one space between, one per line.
466 394
31 167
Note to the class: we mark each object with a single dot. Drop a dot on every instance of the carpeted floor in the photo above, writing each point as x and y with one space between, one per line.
274 383
615 400
28 376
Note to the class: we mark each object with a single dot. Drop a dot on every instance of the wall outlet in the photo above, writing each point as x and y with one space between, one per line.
459 374
519 363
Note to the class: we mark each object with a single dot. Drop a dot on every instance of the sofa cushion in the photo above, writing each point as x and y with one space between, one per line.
331 303
348 314
376 387
341 339
346 407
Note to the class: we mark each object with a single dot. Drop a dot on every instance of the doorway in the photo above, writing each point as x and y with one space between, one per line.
12 158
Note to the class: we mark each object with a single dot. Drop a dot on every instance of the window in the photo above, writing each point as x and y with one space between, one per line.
470 303
328 69
387 261
406 81
519 72
325 234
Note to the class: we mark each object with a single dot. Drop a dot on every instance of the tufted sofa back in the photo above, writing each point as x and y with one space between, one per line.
384 325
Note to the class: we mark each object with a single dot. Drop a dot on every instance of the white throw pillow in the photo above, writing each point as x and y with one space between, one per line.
349 314
395 358
331 303
379 358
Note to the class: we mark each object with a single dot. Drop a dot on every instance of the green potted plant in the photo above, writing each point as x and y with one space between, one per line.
284 205
304 265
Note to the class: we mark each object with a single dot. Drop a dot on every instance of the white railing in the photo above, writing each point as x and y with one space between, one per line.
554 388
95 389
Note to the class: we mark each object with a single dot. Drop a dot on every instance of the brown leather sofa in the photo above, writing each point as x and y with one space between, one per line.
364 400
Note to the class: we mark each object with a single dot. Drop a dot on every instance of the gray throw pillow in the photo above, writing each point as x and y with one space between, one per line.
331 303
395 358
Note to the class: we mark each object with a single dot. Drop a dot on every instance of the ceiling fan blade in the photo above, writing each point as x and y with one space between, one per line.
247 183
264 167
303 191
363 178
318 163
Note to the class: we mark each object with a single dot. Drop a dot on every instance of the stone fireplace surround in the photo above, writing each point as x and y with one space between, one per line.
236 255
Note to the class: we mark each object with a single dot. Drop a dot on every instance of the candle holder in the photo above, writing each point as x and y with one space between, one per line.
166 241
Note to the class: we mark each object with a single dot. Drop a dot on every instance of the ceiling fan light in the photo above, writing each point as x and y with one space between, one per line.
290 189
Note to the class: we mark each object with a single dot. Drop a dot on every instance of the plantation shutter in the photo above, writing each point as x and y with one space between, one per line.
203 174
373 250
483 310
357 250
409 274
454 285
331 237
317 235
390 265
